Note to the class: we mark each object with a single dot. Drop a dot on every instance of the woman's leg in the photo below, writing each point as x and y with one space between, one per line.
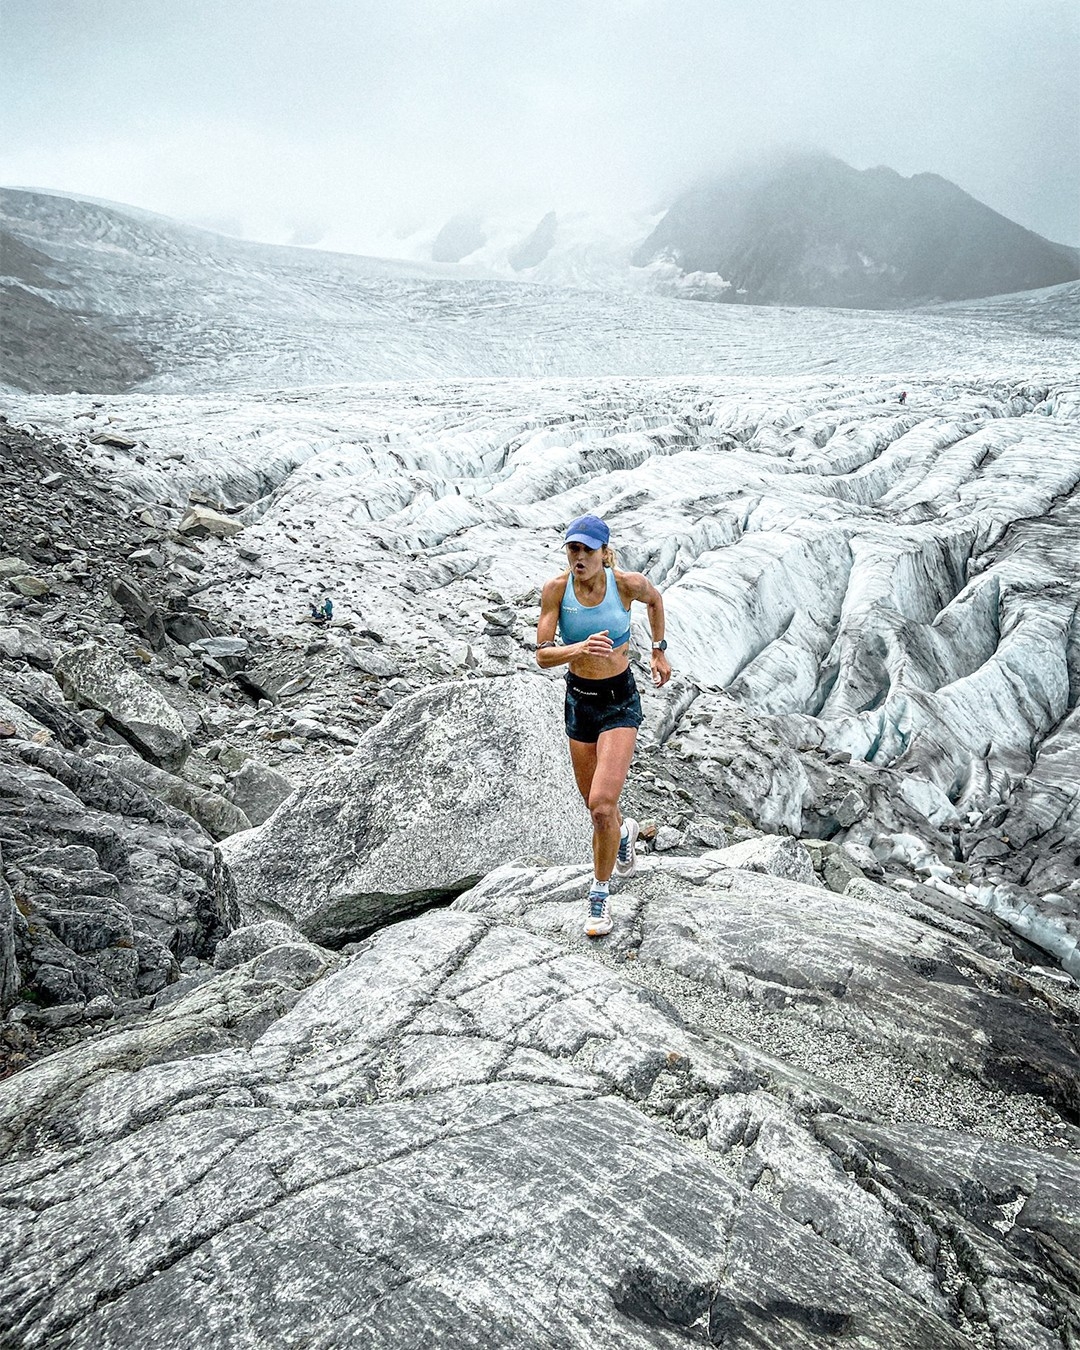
614 751
583 759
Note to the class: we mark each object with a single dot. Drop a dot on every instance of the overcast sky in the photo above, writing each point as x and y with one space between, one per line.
282 117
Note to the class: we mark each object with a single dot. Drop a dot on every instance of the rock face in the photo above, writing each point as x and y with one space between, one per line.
455 780
533 250
811 230
111 887
458 238
218 817
479 1130
97 678
9 967
258 790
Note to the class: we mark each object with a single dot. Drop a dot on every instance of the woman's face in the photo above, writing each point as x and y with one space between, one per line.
584 561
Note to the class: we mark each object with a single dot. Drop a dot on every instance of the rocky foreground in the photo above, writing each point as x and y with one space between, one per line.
304 1044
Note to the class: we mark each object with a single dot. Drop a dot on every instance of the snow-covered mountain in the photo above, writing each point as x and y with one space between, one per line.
808 229
103 298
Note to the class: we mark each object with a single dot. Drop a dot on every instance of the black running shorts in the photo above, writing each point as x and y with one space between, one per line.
593 706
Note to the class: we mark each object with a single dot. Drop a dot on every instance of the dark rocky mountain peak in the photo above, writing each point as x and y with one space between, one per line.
536 246
459 237
808 229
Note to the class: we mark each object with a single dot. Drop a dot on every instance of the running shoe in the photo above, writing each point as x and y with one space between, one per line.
598 915
626 862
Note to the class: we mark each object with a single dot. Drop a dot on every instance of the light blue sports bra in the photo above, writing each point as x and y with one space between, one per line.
578 621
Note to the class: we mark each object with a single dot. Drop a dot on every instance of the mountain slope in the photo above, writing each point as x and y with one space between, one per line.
103 299
811 230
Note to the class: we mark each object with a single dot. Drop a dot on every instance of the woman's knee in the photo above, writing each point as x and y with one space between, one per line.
604 812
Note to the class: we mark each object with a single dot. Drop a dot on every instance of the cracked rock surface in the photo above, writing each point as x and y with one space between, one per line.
476 1129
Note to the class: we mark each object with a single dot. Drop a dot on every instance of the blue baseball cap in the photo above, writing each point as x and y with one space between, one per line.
588 530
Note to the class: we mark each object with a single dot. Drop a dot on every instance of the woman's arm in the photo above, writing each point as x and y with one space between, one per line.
637 586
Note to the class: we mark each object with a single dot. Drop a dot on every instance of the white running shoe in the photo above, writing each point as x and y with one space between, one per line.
626 861
598 914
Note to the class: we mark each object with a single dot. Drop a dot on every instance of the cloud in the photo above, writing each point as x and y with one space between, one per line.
275 112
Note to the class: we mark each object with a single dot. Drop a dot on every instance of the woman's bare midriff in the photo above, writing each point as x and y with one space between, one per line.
601 667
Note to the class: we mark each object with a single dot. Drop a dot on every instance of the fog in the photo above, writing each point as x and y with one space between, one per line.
304 119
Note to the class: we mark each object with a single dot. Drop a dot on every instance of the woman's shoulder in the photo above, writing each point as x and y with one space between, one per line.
629 583
555 587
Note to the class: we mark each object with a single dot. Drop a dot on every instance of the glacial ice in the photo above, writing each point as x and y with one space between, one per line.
897 580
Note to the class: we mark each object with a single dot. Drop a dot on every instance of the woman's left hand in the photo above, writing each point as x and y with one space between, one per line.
661 669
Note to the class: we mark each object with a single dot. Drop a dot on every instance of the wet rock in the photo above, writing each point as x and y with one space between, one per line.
98 678
409 819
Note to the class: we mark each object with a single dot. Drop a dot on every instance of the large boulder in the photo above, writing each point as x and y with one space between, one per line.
98 678
467 1133
773 854
454 781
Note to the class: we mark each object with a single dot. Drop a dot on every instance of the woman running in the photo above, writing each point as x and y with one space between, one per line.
590 606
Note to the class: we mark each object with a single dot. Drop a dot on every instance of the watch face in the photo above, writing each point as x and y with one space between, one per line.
660 646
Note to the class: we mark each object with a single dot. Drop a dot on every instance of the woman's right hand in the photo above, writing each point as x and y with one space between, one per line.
596 644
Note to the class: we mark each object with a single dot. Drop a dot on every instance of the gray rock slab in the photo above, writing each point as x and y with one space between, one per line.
201 521
467 1136
371 661
221 646
218 816
455 780
877 967
776 855
251 940
259 790
96 677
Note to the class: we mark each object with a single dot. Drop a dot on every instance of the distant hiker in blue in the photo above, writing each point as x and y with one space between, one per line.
322 614
589 604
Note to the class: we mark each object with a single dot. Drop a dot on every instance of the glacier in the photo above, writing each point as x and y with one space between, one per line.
820 1082
892 581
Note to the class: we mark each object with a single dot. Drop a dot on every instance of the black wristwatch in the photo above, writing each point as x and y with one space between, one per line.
660 646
